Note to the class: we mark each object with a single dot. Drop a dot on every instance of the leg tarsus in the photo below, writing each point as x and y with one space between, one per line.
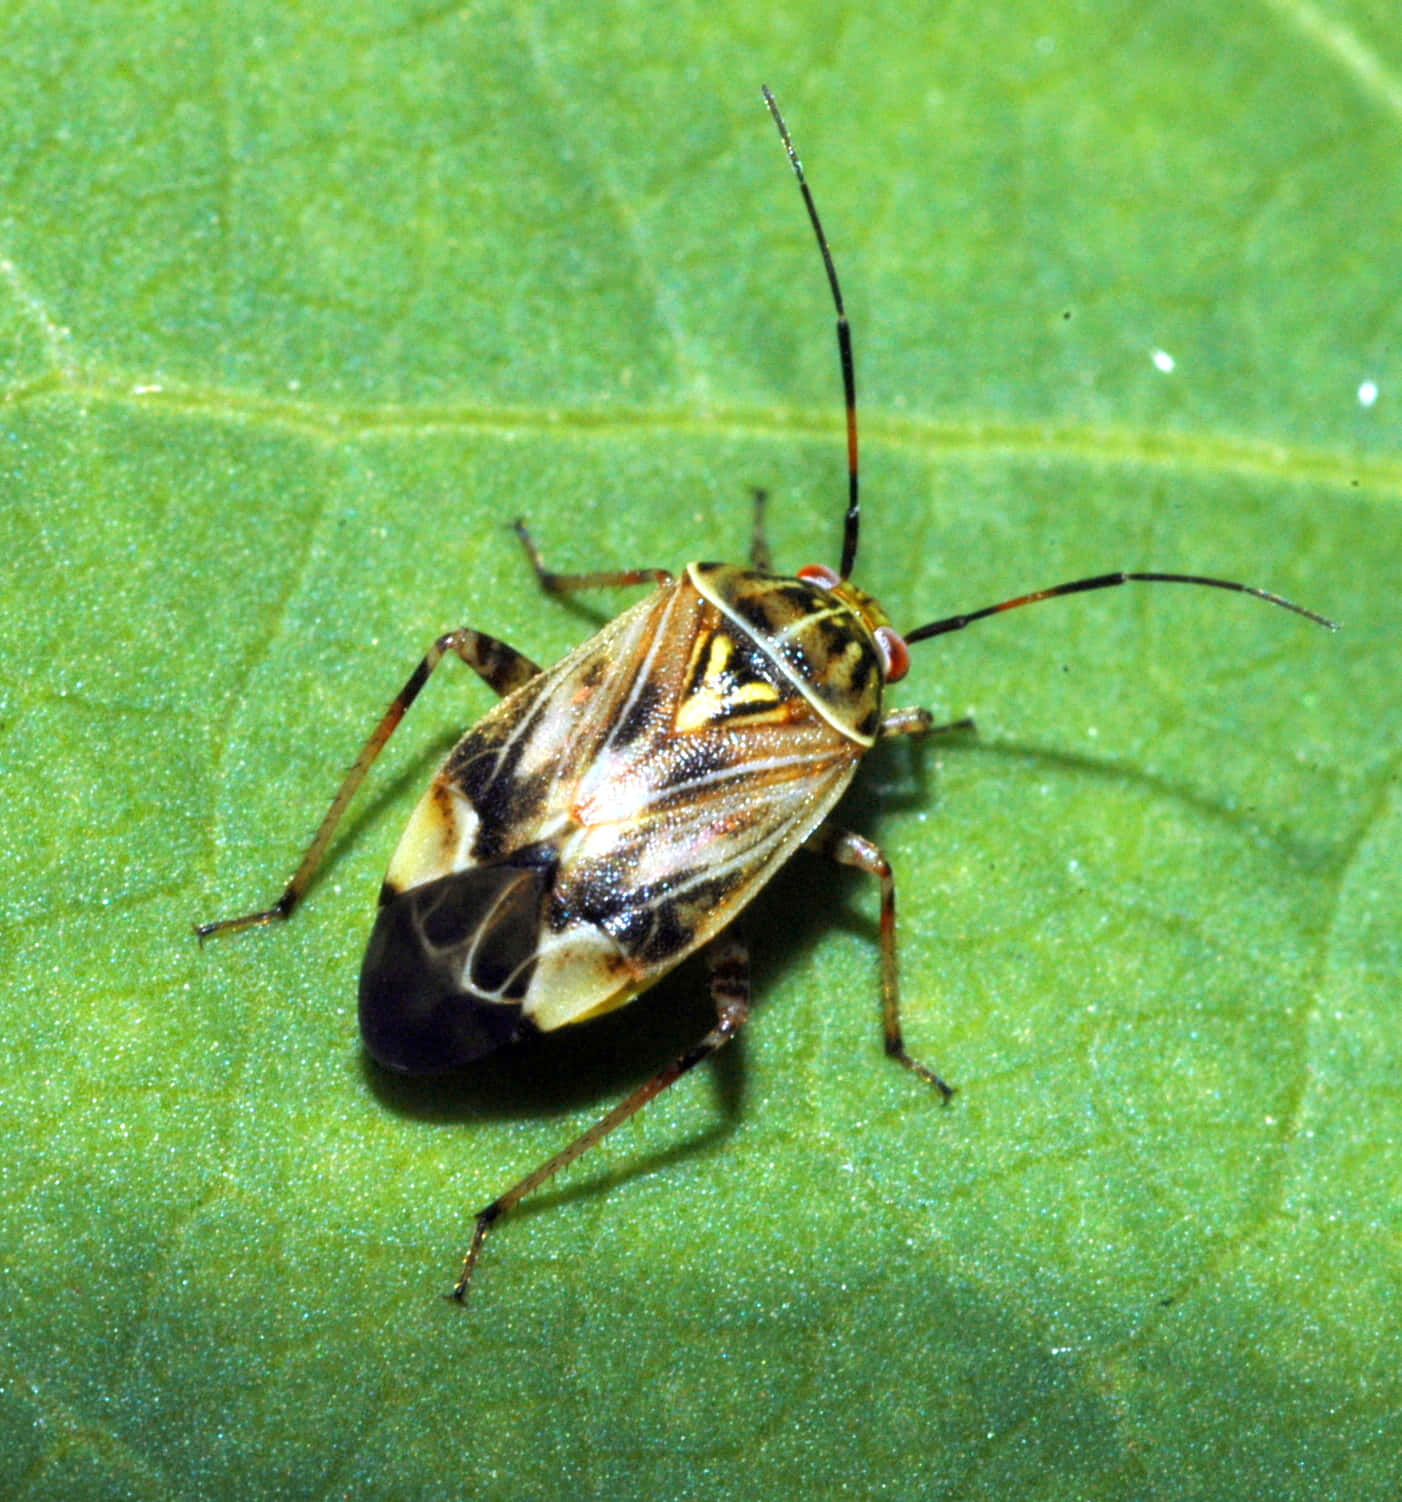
898 1052
279 911
917 722
486 1219
554 583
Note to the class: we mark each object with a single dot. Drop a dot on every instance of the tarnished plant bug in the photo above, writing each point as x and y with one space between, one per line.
614 813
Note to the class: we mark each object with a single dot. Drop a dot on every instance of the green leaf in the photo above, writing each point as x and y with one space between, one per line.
296 313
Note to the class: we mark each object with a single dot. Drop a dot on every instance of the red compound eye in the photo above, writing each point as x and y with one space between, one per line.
895 653
821 574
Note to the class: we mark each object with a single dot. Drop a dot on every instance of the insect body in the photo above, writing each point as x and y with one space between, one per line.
612 815
615 812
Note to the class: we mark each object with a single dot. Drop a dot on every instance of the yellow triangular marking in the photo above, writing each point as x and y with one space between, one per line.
716 694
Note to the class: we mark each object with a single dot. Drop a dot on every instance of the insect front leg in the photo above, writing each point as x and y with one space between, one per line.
760 556
849 849
554 583
500 666
729 963
918 722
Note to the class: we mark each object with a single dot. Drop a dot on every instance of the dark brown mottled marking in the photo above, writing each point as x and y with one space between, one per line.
698 756
799 599
833 635
640 718
484 768
864 674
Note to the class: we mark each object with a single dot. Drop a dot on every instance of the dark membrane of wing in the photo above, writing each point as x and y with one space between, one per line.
449 961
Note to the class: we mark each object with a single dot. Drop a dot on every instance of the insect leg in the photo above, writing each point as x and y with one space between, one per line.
554 583
730 990
849 849
500 666
760 556
913 721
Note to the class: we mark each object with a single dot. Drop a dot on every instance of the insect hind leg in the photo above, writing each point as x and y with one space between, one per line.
501 667
849 849
556 584
729 963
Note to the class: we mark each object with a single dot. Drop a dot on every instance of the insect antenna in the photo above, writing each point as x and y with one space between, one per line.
1109 581
844 347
